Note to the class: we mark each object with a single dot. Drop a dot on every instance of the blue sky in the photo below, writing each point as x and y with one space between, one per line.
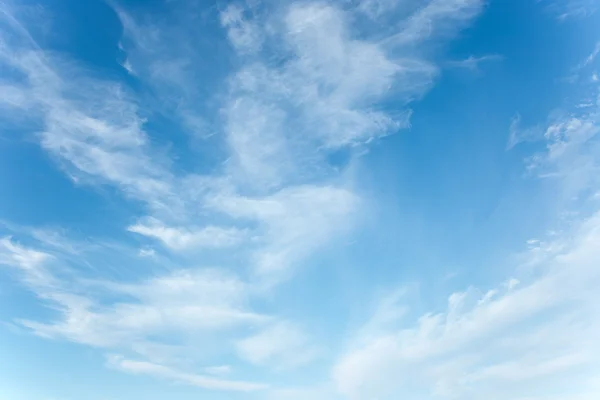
290 200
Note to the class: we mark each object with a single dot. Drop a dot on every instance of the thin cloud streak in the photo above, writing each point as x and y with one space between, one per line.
472 63
206 382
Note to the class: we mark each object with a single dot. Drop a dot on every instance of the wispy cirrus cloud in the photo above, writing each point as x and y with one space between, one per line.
186 238
518 135
472 63
159 371
180 302
218 370
592 56
498 343
281 345
307 82
568 9
571 148
436 17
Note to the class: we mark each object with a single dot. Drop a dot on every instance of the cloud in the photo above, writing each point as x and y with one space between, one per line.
185 238
145 252
518 135
583 72
97 134
433 18
306 82
28 261
206 382
18 256
571 152
177 304
592 57
243 34
472 63
281 345
295 221
571 147
323 96
218 370
387 313
496 346
91 126
571 9
375 9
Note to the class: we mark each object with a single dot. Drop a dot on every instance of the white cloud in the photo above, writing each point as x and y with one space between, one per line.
56 240
512 283
498 348
572 147
218 370
13 97
161 353
388 312
95 129
434 18
185 238
592 57
281 345
324 95
571 9
519 135
177 304
296 221
258 146
146 252
18 256
91 126
337 77
277 121
472 63
243 34
375 8
29 264
160 371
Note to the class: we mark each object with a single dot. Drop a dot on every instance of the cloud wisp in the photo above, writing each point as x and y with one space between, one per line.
504 342
306 82
472 63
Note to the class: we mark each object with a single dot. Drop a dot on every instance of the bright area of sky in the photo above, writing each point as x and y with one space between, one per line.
299 200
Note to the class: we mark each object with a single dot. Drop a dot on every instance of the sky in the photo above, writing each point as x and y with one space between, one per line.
299 199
